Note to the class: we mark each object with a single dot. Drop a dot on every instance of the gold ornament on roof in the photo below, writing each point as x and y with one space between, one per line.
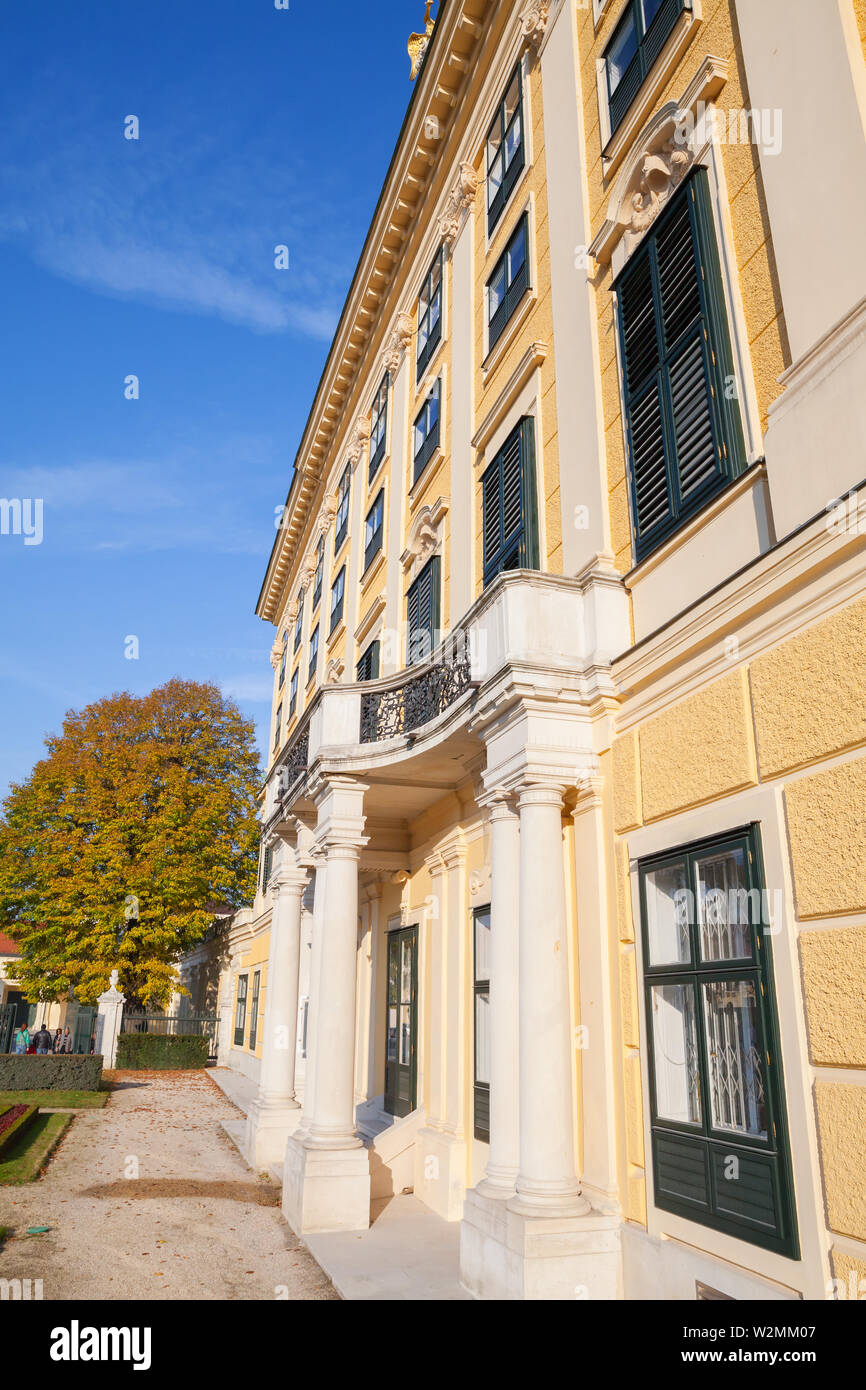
418 42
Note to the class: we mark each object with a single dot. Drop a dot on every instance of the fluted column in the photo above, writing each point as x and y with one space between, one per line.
547 1184
277 1076
504 1023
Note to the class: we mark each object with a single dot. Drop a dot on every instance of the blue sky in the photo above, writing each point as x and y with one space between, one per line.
155 258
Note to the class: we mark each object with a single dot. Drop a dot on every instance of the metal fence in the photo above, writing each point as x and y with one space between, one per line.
203 1025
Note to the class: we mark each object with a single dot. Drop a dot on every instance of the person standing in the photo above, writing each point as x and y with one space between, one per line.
67 1042
43 1041
22 1039
57 1040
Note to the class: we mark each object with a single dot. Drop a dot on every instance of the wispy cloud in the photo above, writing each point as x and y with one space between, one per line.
254 690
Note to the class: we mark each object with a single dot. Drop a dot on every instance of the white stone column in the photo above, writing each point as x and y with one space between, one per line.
504 1023
547 1182
598 1108
109 1016
275 1113
315 980
326 1175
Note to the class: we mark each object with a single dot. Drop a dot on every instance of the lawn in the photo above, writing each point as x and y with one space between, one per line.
24 1161
56 1100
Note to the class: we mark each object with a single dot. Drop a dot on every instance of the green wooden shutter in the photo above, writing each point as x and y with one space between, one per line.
685 436
368 665
422 612
529 557
510 524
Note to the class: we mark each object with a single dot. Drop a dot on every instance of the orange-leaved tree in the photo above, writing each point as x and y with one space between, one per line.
136 827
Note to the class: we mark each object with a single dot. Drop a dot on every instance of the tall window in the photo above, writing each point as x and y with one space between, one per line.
509 282
299 623
293 693
379 426
422 612
684 430
338 592
638 40
278 724
430 314
719 1142
373 530
320 570
283 658
241 1010
368 664
254 1010
509 505
267 863
427 431
342 522
314 653
482 1024
505 150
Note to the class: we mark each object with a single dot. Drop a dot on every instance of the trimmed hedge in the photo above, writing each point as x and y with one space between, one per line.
64 1071
18 1126
161 1051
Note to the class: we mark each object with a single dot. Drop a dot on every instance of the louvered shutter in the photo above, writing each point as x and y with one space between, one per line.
508 505
368 665
423 612
685 441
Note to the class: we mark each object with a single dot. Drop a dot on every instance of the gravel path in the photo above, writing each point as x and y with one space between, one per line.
195 1223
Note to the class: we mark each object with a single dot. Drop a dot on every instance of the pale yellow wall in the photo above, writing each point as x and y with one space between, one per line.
254 958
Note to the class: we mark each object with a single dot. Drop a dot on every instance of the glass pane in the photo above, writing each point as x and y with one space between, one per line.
432 411
392 1035
423 334
482 1038
650 10
734 1056
494 179
517 255
512 141
406 973
420 434
496 293
435 278
675 1053
393 973
482 947
435 309
512 98
723 906
668 915
622 50
405 1035
423 301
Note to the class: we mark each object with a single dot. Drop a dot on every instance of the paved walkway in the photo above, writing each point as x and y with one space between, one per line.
149 1199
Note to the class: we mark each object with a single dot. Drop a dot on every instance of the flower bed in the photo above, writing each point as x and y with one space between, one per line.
14 1120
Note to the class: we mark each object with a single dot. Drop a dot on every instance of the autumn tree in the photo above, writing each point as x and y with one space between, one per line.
126 838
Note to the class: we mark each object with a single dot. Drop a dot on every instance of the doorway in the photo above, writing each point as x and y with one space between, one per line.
402 1022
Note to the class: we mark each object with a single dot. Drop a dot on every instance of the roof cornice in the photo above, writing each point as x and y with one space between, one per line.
445 69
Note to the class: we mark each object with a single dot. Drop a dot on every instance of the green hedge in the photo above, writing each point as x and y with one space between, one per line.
65 1071
24 1121
161 1052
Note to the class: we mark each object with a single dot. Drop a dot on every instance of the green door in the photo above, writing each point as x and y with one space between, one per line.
402 1022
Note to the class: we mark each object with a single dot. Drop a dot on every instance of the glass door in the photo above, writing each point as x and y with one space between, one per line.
402 1022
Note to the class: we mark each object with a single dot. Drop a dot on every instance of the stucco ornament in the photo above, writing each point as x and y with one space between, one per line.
398 342
425 537
533 21
359 437
661 171
461 197
335 671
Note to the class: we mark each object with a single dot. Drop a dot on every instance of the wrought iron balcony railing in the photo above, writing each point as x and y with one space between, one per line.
419 698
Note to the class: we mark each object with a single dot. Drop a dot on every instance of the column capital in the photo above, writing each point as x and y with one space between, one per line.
590 794
498 802
540 792
288 879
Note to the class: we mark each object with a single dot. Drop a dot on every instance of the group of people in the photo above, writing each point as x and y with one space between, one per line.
43 1040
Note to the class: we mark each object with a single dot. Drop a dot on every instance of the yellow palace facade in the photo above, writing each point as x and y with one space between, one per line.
561 922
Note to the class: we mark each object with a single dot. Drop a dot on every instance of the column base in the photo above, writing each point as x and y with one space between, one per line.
269 1125
505 1254
325 1189
440 1172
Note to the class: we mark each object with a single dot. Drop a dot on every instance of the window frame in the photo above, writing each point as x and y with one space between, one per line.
313 663
510 175
319 575
726 419
650 43
283 660
338 607
515 289
278 724
756 970
379 419
432 438
299 624
371 655
434 333
241 1009
376 541
434 565
254 1009
344 499
293 693
480 1089
526 539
